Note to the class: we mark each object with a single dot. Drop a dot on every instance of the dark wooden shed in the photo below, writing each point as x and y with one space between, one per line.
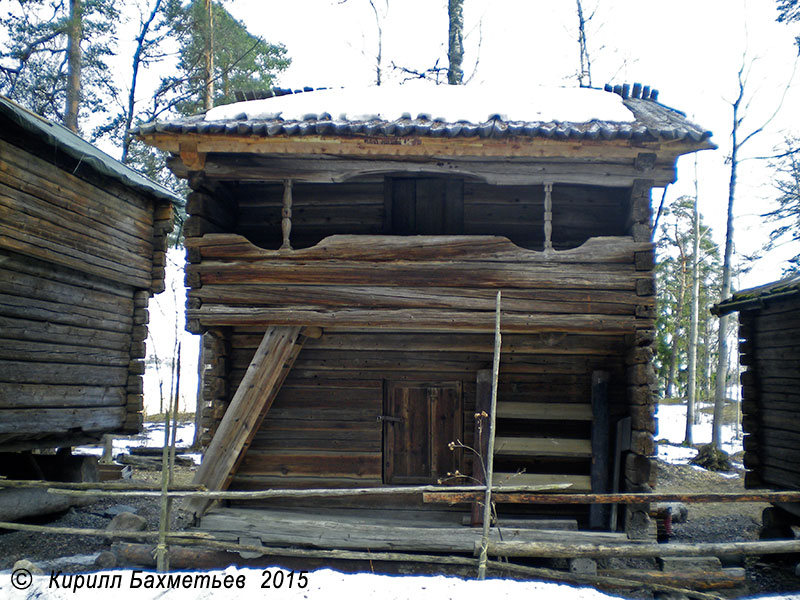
82 241
344 261
769 348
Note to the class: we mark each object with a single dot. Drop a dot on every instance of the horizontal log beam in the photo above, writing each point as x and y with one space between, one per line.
454 497
640 550
412 320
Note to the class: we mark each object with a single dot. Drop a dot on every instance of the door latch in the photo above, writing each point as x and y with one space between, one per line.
387 418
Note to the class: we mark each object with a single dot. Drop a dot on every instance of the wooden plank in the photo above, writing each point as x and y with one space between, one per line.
53 333
433 248
39 395
249 406
67 314
409 320
58 420
37 274
127 210
80 259
577 483
526 446
365 465
75 221
276 528
22 350
337 296
554 412
62 374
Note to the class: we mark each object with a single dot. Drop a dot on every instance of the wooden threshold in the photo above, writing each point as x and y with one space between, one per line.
524 446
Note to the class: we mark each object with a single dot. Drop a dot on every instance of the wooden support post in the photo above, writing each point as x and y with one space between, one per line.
598 514
251 402
548 217
483 404
286 215
622 445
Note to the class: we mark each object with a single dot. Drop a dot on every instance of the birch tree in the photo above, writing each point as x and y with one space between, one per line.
455 42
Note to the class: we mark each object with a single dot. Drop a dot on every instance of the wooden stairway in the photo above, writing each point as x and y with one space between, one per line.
523 451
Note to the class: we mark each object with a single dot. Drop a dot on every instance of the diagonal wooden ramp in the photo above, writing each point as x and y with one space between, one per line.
271 363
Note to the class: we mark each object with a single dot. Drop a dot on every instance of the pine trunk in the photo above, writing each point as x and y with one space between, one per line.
74 37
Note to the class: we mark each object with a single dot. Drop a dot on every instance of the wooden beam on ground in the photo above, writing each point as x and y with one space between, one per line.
625 498
251 402
638 549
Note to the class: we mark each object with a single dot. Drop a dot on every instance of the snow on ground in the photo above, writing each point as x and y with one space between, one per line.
152 436
322 584
449 103
672 427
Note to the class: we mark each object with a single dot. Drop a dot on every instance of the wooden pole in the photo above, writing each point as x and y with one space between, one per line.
303 493
162 552
640 550
599 581
132 535
487 500
456 497
97 487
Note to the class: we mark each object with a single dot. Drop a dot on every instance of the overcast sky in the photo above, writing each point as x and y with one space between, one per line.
690 50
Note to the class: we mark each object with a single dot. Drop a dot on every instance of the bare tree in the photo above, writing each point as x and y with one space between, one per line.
738 140
585 73
691 392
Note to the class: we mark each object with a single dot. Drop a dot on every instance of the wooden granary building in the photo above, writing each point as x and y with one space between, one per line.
82 241
769 348
345 249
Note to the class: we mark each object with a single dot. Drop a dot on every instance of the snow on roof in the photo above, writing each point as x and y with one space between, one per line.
451 104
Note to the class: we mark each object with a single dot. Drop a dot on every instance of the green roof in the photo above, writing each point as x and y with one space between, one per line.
61 138
756 297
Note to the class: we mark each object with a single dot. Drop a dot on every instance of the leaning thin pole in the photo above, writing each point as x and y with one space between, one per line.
487 502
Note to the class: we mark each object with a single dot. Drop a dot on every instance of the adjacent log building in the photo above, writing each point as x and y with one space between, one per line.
769 348
345 251
82 240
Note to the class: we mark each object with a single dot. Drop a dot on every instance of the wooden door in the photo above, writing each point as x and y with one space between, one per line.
420 421
424 206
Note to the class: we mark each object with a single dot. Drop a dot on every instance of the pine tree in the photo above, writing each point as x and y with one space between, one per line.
241 61
47 73
787 214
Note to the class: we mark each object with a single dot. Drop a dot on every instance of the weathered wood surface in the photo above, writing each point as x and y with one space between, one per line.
771 351
67 419
434 282
80 253
219 554
639 550
697 580
447 497
252 401
277 528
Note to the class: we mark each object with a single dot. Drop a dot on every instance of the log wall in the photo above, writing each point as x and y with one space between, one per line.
770 349
79 259
420 309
